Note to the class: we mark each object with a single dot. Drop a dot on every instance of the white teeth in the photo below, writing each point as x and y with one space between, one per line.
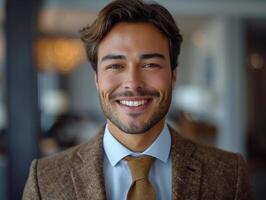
133 103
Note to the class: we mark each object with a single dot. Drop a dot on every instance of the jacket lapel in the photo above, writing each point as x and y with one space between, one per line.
87 170
186 170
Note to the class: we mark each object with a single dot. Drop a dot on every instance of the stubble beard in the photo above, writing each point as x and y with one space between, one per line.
133 128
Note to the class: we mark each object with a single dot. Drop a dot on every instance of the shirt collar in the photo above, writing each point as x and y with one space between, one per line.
115 151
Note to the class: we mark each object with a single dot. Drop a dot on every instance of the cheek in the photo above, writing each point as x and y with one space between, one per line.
159 82
107 84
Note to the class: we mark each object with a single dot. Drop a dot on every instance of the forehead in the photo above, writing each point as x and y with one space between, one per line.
132 38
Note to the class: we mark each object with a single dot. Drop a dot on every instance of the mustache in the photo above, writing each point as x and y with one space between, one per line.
137 92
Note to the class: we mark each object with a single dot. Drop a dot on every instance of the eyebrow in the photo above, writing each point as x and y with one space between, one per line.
113 57
142 56
152 55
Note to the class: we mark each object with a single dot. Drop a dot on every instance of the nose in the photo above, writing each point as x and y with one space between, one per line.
133 79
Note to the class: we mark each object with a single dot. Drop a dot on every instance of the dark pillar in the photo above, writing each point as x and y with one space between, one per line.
22 96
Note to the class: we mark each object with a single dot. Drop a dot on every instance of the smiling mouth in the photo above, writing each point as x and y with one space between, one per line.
133 103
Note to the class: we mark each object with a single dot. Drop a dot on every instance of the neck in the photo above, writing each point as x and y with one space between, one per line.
136 142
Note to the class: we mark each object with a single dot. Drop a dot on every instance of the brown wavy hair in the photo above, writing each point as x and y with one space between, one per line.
131 11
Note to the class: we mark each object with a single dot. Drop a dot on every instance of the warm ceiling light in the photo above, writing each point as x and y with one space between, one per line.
61 54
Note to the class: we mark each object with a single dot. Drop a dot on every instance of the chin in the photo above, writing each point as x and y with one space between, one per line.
135 129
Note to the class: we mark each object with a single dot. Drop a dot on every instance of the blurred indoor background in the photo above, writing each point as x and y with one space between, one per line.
48 100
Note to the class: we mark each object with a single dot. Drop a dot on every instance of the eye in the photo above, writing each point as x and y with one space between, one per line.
151 65
114 66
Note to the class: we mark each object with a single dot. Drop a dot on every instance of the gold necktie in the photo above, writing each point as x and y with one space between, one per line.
141 188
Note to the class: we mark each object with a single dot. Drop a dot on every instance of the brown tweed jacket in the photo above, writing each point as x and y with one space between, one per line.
199 173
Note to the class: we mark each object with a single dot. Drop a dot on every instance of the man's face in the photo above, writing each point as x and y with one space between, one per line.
134 77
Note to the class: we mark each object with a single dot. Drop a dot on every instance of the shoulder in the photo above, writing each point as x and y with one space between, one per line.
214 161
213 155
202 152
227 170
55 171
65 159
224 173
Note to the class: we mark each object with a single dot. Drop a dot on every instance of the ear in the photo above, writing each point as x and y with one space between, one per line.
96 81
174 77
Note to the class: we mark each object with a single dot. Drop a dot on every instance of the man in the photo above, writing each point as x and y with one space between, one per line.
133 47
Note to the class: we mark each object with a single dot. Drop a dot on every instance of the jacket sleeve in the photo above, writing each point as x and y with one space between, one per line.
243 187
31 190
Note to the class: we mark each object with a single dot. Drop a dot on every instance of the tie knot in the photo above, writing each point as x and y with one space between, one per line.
139 166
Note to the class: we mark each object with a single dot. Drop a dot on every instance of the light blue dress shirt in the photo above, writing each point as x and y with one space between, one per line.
117 175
